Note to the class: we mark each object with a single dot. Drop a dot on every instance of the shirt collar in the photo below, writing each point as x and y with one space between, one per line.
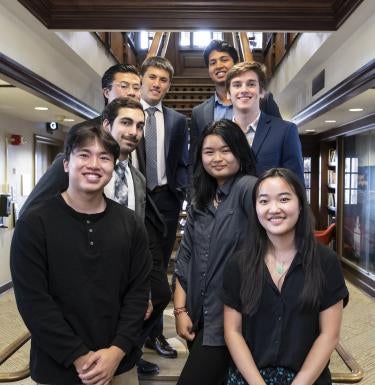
227 186
253 125
218 101
158 106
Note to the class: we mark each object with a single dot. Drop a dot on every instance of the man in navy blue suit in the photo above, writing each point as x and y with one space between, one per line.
275 142
163 158
220 57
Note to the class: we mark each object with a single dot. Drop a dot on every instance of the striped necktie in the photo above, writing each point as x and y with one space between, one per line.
151 149
121 184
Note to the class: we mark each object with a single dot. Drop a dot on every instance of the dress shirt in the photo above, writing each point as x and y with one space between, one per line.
109 189
210 238
251 129
221 110
281 332
160 129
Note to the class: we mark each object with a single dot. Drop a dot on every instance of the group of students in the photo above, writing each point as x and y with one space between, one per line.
256 298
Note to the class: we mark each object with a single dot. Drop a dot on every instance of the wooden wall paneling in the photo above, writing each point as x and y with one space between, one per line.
279 48
117 46
162 15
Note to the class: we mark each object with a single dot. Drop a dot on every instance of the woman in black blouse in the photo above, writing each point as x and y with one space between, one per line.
284 296
216 226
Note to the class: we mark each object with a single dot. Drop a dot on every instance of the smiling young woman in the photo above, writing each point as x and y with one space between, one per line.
284 295
216 226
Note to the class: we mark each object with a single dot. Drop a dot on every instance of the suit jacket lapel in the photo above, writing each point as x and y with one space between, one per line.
208 113
264 126
168 126
141 156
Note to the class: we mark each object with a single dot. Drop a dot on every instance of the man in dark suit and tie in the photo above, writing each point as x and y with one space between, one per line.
220 57
275 142
163 159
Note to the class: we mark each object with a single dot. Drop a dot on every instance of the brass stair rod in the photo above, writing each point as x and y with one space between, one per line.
14 346
8 352
356 374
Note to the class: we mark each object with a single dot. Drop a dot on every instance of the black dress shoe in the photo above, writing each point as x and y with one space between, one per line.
147 368
161 345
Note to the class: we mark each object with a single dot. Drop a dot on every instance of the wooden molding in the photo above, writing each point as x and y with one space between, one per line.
180 15
24 78
355 126
356 83
358 278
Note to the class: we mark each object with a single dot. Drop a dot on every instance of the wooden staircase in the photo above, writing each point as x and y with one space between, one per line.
187 92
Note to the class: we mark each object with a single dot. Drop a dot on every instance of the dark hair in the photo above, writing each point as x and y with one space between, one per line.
251 262
241 68
221 46
204 185
158 62
78 136
111 110
109 75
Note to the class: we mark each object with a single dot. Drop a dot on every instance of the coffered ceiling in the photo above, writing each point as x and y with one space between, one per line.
179 15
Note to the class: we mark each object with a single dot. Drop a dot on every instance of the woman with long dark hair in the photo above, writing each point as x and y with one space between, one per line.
284 295
216 226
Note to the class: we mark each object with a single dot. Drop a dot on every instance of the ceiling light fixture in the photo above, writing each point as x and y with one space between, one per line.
41 108
330 121
310 130
68 120
355 109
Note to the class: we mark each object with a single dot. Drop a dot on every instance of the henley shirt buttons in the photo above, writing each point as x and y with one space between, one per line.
202 293
91 243
90 230
280 318
88 222
205 312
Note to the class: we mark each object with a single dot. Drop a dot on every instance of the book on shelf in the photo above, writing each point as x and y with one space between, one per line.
331 177
331 199
332 156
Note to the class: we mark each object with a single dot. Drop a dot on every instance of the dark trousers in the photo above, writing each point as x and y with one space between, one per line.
160 290
206 365
169 207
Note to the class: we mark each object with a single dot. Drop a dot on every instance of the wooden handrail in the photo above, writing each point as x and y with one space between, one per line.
155 45
165 45
245 47
7 352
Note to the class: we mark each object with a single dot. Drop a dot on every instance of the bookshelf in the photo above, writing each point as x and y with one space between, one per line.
331 183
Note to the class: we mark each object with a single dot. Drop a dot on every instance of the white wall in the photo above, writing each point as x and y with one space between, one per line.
74 61
14 162
340 53
18 160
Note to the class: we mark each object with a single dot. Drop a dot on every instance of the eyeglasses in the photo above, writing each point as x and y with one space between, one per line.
126 86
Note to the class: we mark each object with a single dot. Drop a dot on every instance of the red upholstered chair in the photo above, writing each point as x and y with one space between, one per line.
325 236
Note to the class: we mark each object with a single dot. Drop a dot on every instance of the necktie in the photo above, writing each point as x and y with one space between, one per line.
151 149
121 184
250 135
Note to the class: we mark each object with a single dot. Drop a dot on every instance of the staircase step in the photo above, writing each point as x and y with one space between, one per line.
170 368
